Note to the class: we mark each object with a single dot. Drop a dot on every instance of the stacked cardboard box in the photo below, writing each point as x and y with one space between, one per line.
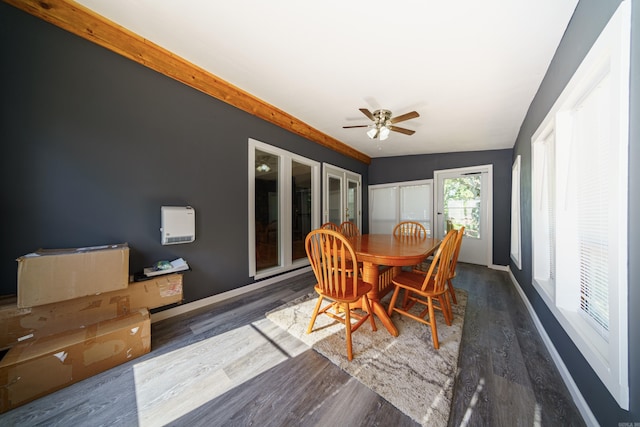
96 324
52 275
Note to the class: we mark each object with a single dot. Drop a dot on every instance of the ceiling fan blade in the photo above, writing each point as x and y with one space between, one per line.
359 126
403 117
401 130
368 114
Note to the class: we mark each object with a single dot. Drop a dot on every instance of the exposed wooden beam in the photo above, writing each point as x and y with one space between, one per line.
87 24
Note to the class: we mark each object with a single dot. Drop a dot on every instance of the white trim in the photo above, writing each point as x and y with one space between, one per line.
499 267
578 399
186 308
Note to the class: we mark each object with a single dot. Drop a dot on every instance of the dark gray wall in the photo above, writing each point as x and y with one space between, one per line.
93 145
411 168
588 21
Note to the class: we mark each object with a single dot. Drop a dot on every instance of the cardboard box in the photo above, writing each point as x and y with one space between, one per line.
31 370
53 275
24 324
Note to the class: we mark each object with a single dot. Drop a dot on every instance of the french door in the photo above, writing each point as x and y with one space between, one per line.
342 194
464 197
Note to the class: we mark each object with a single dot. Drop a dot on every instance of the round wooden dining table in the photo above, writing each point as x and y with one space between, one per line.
375 250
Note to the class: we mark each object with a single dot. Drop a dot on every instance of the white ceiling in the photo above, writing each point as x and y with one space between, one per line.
470 68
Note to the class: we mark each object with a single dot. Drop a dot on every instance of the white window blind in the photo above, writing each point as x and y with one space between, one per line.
383 211
415 204
591 159
400 201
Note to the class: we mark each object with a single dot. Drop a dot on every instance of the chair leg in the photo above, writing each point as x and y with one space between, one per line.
314 315
432 323
367 308
452 292
443 305
347 324
446 308
405 300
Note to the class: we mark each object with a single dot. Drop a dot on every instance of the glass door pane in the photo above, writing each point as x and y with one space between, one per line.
462 204
267 207
341 196
301 208
335 200
352 201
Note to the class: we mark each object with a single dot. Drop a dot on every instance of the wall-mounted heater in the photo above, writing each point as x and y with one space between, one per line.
178 224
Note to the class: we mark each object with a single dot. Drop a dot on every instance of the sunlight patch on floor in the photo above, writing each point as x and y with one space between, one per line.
472 403
173 384
537 416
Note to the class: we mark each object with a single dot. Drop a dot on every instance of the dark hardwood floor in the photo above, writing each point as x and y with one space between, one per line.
505 377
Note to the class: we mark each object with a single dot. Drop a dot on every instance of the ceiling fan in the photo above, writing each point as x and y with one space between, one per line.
383 122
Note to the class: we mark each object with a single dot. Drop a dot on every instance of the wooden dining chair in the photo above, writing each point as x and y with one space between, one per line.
430 290
334 227
425 266
454 263
328 253
330 226
409 229
349 229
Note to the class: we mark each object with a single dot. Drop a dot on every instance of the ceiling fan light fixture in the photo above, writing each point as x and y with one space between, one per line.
263 168
384 133
384 123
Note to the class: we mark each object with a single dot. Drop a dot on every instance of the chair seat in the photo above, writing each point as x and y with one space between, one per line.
348 296
414 281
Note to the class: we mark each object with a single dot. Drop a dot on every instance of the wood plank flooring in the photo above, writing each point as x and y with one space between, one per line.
255 375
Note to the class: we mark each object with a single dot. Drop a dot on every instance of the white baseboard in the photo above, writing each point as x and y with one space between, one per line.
185 308
499 267
578 399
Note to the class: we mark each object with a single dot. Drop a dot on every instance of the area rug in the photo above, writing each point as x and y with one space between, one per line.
405 370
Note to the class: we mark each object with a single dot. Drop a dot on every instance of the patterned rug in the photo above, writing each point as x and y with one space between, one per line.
406 370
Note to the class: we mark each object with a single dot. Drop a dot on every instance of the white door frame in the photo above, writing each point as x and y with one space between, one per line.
345 175
487 209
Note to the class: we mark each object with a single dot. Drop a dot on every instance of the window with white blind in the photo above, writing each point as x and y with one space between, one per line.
516 246
579 206
400 201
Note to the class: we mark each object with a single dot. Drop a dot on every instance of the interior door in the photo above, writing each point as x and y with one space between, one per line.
464 197
342 196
